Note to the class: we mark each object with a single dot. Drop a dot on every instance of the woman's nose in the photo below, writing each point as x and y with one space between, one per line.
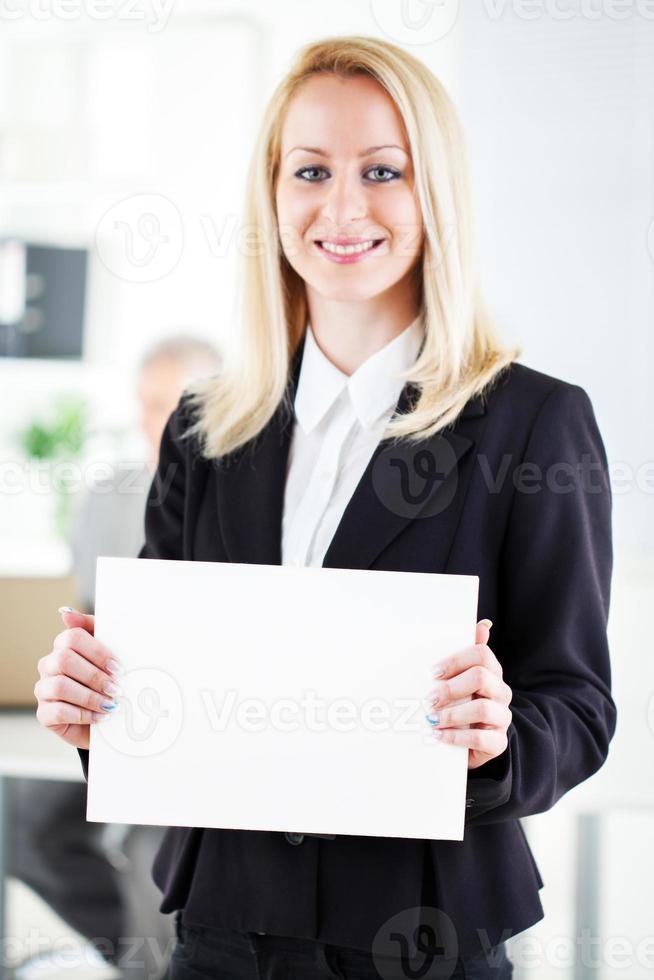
344 202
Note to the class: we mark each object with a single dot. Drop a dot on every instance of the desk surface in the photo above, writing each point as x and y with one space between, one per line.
28 749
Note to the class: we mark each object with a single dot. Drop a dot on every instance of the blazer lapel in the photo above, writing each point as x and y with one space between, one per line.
400 484
403 483
250 491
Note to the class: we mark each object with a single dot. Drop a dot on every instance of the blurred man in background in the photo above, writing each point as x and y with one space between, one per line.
97 877
110 521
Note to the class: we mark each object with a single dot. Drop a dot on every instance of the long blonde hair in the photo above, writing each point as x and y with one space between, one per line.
461 355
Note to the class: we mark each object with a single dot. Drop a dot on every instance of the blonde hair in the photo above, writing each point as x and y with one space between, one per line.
461 355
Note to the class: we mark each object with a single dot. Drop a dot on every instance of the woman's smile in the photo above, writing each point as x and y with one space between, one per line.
346 254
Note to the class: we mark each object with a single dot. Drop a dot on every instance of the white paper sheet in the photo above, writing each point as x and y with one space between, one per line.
270 697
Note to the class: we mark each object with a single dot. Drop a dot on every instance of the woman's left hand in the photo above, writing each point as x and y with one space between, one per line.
473 671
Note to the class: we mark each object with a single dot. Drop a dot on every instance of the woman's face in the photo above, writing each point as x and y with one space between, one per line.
335 187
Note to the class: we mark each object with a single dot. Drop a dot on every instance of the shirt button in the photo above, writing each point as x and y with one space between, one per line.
294 838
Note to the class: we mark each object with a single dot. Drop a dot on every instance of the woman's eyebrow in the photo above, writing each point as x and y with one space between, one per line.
364 153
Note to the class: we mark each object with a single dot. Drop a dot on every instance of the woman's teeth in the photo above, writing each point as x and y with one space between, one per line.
347 249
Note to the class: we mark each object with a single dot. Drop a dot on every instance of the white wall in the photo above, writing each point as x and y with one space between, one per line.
560 119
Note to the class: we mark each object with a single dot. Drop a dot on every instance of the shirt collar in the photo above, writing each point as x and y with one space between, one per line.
374 388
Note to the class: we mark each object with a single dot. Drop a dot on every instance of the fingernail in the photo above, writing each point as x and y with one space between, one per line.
434 719
438 670
437 732
114 667
63 609
486 622
111 689
109 707
97 716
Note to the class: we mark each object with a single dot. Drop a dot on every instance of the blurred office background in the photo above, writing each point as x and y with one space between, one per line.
125 134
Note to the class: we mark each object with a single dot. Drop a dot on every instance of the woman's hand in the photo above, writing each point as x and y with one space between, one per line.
474 671
77 682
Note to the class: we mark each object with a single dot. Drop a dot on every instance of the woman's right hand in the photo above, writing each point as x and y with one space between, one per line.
76 680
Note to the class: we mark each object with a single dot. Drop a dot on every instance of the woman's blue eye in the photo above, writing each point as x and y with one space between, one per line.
306 170
389 170
394 174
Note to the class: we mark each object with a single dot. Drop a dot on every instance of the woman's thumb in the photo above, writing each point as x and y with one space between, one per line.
72 617
483 631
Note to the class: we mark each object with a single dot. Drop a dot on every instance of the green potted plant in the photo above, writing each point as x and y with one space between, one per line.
61 440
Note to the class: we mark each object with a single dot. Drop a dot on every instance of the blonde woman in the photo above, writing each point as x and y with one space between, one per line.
372 419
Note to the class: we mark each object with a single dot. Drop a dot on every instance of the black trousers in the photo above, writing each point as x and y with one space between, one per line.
222 954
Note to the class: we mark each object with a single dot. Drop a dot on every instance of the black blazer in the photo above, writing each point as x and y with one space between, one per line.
516 492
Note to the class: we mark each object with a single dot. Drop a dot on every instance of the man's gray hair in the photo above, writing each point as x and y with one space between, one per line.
194 353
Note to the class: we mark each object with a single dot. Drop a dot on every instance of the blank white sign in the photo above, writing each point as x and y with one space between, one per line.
267 697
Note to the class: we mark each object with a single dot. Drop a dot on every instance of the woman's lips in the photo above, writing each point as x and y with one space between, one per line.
348 258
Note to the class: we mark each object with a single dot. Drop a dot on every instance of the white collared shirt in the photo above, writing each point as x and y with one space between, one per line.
339 420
